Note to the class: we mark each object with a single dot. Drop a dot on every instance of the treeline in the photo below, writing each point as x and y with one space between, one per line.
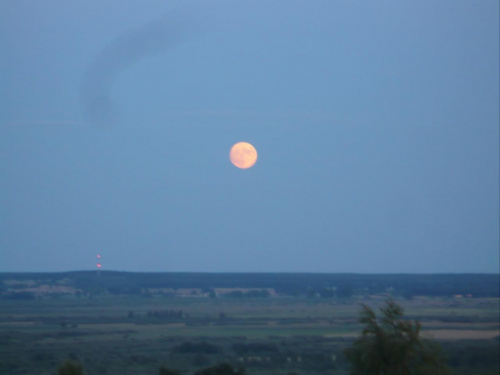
463 357
73 368
292 284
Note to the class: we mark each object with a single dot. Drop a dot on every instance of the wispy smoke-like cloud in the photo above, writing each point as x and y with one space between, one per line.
157 38
152 39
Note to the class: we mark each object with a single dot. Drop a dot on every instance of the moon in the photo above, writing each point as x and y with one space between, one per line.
243 155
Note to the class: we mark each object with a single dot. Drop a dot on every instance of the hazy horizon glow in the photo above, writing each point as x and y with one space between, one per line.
376 124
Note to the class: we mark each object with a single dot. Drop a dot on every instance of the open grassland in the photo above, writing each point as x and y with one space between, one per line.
135 335
163 317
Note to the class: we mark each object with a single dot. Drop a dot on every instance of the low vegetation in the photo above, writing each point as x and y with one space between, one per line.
186 327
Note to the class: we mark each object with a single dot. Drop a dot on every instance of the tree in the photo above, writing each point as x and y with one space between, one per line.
167 371
70 368
221 369
391 345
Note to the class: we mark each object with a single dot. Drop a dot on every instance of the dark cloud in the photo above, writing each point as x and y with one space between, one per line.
158 38
150 40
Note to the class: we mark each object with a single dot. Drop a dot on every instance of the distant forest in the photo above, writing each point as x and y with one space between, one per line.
252 285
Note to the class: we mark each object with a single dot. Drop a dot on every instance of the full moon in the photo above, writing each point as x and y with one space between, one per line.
243 155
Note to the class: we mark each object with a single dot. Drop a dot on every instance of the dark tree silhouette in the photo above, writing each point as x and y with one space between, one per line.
390 345
221 369
167 371
70 368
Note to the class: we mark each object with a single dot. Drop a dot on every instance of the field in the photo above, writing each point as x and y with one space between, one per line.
189 330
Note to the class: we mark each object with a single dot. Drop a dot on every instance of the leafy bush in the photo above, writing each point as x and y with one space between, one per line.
70 368
221 369
167 371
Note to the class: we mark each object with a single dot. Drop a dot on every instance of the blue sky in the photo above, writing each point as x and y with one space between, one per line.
376 124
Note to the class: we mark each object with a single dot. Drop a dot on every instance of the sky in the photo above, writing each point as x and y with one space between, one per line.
376 126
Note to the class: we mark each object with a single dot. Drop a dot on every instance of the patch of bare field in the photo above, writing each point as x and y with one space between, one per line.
441 302
438 334
476 326
342 335
16 324
463 334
